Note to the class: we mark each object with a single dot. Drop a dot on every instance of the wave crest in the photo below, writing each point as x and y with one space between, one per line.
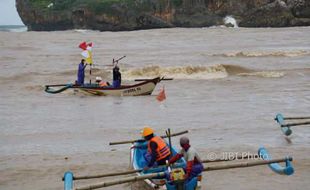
265 54
182 72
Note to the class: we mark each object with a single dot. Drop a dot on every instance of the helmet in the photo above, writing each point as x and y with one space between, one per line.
147 131
184 140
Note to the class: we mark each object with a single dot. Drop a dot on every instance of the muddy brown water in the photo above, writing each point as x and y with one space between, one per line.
228 86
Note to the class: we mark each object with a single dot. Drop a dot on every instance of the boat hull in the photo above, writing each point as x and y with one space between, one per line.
143 88
140 89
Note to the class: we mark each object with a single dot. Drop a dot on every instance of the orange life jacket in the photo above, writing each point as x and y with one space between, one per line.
162 149
102 83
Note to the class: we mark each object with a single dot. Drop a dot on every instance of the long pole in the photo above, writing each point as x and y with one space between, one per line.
239 157
246 164
90 73
292 118
124 180
295 124
162 174
142 140
169 138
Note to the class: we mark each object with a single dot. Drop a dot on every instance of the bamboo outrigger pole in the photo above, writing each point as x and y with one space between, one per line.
124 180
142 140
295 124
247 164
162 174
239 157
292 118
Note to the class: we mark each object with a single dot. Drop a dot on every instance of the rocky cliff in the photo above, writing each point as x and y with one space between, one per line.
117 15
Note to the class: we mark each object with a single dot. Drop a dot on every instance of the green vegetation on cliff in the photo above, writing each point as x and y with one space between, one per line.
117 15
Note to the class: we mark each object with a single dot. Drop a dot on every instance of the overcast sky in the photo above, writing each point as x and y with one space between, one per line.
8 13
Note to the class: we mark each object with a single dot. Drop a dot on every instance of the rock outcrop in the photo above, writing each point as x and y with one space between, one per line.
118 15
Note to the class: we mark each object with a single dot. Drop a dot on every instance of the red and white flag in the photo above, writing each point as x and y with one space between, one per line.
162 95
87 51
83 45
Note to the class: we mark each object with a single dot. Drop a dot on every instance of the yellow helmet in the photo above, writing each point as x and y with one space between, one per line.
147 131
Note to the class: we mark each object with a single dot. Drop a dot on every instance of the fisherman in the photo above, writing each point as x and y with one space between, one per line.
81 72
156 148
193 162
117 77
102 83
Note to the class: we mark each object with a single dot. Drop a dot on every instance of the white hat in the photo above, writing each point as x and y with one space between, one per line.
98 79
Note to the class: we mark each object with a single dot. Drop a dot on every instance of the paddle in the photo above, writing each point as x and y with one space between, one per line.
162 174
140 170
117 60
142 140
151 79
295 124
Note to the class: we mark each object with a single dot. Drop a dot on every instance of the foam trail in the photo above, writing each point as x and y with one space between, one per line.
230 20
264 74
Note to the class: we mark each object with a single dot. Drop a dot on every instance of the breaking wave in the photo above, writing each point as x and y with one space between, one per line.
230 20
265 54
182 72
197 72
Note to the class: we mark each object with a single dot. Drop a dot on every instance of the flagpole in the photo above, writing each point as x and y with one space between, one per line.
90 73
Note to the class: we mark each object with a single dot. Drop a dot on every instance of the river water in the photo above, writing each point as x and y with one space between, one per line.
229 83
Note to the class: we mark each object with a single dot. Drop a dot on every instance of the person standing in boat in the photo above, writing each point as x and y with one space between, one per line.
193 162
156 147
117 77
81 72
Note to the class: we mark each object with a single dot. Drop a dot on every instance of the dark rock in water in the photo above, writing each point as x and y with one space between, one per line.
118 15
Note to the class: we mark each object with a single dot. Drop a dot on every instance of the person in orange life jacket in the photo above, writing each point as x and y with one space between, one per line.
156 147
193 162
101 83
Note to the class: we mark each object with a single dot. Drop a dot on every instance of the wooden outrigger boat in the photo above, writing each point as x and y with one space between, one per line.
171 178
138 162
145 87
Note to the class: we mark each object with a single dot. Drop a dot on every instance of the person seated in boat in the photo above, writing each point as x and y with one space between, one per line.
81 72
156 147
193 162
102 83
117 77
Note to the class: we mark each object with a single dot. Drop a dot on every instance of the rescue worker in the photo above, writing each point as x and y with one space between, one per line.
117 77
156 147
81 72
193 162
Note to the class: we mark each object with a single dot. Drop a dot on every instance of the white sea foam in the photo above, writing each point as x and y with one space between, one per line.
230 20
178 72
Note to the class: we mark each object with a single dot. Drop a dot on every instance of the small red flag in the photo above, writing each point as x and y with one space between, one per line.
162 95
83 45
